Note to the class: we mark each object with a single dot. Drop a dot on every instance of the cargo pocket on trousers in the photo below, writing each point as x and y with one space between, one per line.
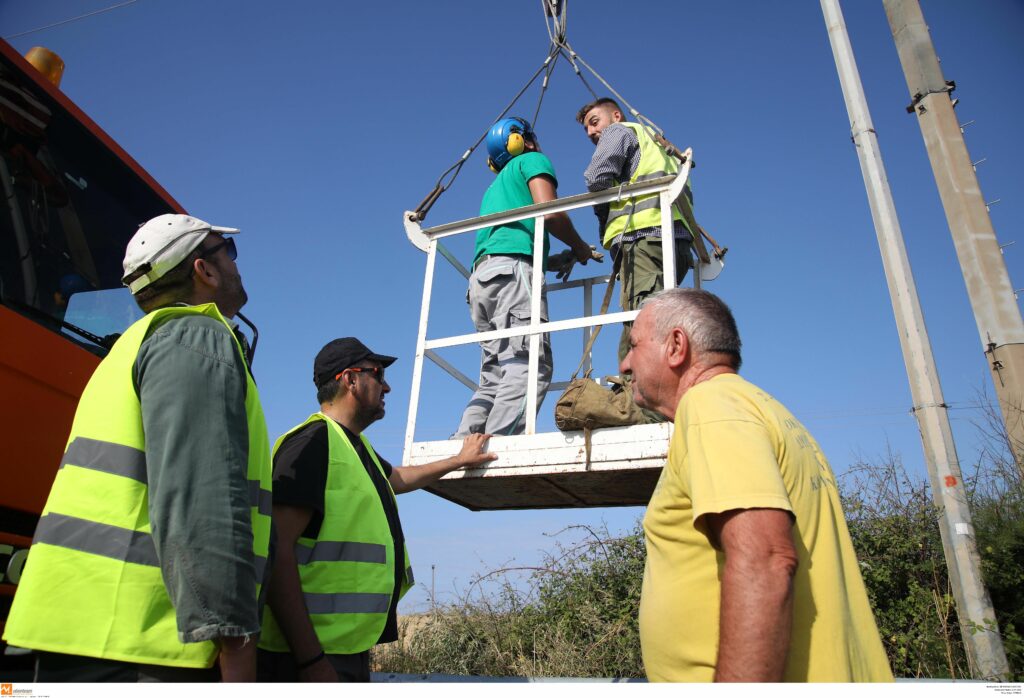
487 276
493 272
520 346
643 280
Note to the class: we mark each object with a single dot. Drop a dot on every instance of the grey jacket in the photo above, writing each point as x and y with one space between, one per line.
191 382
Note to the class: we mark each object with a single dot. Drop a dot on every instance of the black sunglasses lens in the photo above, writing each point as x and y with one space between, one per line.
228 246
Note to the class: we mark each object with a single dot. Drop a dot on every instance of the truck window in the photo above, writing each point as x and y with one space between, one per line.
71 204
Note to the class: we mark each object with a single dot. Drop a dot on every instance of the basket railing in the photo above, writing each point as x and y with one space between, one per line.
668 188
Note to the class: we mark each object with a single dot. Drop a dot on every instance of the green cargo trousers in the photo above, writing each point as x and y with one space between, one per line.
641 275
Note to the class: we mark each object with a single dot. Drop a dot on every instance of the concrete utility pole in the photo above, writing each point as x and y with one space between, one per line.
977 619
988 283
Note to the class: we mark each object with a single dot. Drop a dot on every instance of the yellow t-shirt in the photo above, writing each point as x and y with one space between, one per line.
736 447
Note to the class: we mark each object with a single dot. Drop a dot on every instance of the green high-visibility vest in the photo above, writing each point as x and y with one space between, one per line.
348 571
92 584
639 212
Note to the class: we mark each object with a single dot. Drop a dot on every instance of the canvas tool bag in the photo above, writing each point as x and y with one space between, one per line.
585 405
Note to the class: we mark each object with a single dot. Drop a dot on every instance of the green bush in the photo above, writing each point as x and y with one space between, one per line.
892 522
576 616
997 501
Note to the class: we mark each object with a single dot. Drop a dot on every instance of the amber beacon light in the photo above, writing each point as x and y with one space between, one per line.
46 62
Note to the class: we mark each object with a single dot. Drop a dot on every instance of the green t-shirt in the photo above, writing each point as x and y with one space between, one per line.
509 190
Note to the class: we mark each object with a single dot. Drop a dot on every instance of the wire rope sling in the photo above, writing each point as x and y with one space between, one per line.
556 14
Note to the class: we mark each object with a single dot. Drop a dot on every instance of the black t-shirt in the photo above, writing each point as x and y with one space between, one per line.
300 478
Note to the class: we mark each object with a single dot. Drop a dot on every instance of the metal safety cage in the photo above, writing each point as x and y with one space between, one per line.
544 470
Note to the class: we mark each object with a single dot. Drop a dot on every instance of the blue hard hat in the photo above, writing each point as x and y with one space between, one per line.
507 139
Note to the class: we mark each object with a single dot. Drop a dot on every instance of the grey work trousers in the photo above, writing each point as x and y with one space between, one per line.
499 297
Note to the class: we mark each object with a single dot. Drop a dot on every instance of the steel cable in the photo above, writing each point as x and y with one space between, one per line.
568 57
556 14
544 84
440 186
620 98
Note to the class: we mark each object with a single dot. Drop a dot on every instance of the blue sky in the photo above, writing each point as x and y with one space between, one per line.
312 125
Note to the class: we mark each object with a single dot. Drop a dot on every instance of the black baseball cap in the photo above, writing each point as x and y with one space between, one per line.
340 354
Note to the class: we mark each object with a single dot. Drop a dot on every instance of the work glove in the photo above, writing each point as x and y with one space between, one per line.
563 262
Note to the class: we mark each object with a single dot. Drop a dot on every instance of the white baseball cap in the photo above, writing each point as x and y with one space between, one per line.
161 244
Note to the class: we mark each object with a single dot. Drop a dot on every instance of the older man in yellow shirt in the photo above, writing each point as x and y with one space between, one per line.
751 574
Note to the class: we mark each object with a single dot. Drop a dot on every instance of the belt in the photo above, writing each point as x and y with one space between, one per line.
484 257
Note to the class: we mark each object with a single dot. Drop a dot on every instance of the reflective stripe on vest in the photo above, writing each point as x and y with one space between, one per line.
97 539
106 457
107 541
348 571
322 604
131 463
332 551
640 205
640 212
92 585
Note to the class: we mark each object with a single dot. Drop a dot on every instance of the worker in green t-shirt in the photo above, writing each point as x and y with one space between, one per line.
500 285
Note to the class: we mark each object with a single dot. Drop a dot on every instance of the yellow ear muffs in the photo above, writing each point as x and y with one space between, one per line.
515 144
490 164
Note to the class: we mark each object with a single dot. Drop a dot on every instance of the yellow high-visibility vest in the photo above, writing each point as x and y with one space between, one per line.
348 571
639 212
92 584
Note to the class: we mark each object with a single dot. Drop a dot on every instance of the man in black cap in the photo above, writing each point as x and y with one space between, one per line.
341 564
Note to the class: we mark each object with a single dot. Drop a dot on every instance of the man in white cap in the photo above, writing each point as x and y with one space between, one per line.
149 559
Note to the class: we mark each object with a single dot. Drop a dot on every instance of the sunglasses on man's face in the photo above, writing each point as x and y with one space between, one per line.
229 249
377 371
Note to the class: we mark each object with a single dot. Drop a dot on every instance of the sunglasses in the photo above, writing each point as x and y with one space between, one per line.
229 248
377 371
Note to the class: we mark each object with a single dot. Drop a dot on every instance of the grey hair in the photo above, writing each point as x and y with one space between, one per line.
703 316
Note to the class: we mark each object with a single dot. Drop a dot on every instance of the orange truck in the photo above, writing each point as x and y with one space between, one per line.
71 200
